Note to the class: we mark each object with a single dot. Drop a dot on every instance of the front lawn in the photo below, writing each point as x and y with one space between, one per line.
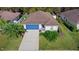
66 40
62 43
9 44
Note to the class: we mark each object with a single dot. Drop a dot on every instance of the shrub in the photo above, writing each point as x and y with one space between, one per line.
13 30
50 35
2 23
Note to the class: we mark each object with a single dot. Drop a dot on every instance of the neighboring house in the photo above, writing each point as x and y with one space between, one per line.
71 17
40 21
9 16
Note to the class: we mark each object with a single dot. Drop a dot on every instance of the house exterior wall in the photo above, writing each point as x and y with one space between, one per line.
52 28
24 25
40 27
54 16
45 28
55 28
77 26
15 21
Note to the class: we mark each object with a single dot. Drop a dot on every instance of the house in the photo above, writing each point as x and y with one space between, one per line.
40 21
71 17
9 16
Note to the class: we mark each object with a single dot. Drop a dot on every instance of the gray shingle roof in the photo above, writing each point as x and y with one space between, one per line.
40 17
8 15
72 15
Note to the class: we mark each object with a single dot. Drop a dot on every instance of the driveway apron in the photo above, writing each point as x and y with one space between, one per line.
30 41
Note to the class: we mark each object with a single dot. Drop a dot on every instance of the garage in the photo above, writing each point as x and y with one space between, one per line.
32 26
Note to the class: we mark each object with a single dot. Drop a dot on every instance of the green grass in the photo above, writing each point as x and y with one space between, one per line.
9 44
66 40
43 42
75 36
60 44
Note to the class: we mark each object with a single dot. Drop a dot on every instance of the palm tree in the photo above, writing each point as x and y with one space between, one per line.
13 30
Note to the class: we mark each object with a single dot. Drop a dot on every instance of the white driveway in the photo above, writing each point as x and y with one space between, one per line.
30 41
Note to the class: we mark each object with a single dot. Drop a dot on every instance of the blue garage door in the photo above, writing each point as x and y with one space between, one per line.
32 26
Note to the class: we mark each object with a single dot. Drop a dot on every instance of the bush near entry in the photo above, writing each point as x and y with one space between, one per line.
50 35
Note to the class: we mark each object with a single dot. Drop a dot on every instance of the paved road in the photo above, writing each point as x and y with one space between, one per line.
30 41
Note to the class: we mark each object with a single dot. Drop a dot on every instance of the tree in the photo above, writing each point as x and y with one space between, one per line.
32 9
49 9
56 10
13 30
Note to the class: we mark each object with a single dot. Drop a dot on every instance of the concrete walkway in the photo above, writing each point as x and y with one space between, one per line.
30 41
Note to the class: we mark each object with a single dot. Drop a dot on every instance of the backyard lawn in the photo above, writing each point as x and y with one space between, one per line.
9 44
66 40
